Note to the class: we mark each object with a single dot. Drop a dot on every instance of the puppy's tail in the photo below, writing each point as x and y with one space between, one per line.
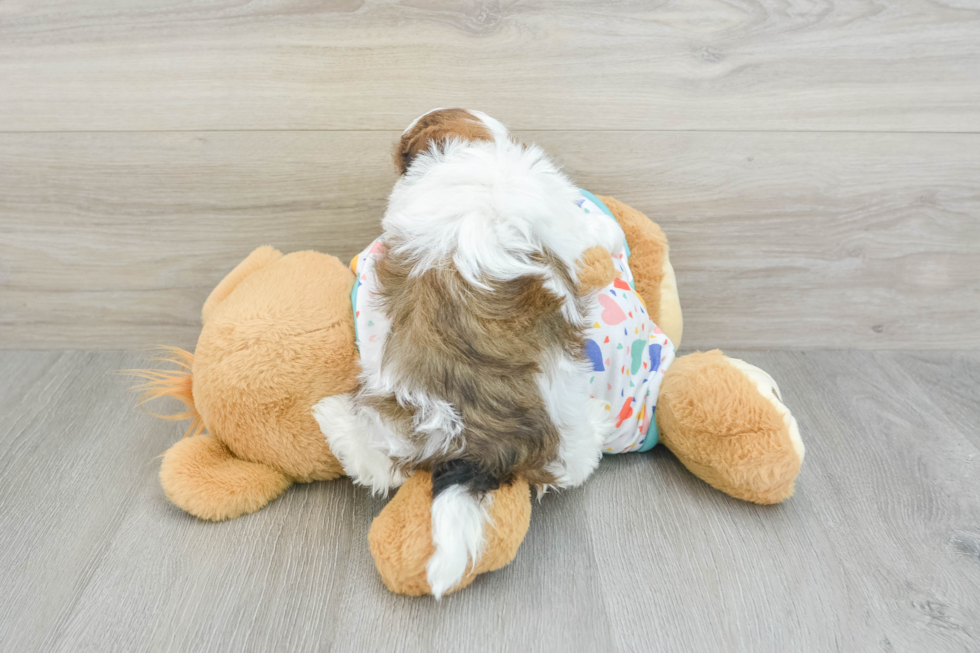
460 502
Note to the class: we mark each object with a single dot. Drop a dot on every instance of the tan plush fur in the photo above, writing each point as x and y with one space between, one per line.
278 337
401 536
715 421
282 340
258 259
595 270
203 477
174 383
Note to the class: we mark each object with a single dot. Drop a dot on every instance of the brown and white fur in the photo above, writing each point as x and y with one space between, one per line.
482 376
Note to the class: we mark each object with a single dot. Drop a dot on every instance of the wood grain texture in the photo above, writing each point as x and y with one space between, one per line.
878 550
797 240
950 383
298 64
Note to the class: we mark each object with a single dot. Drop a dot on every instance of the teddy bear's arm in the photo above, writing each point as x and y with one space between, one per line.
595 270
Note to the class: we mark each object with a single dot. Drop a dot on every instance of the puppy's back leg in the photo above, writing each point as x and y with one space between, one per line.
583 423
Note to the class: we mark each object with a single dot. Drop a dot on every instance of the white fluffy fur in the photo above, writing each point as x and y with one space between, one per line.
459 522
487 208
353 436
583 423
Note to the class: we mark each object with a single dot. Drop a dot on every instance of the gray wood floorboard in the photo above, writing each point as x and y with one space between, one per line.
878 550
949 381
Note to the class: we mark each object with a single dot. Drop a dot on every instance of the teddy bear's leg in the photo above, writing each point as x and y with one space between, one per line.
203 477
401 536
725 421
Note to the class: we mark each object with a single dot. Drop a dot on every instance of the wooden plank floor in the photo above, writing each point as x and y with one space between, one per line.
878 550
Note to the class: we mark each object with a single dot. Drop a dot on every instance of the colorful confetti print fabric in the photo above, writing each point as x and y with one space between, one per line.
370 323
628 353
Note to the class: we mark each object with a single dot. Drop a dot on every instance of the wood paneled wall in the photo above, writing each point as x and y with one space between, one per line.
816 166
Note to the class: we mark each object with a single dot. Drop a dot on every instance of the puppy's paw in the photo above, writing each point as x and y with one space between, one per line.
581 445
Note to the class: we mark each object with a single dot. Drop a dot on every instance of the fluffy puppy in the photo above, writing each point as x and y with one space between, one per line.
474 367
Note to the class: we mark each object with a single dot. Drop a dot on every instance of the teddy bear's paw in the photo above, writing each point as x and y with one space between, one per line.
200 475
725 421
768 388
401 536
595 270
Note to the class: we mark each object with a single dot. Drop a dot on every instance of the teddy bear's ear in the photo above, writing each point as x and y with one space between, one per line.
258 259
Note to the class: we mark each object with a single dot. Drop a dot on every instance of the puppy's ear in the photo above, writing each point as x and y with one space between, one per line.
437 127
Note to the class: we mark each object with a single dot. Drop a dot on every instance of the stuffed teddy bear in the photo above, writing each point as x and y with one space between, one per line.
278 336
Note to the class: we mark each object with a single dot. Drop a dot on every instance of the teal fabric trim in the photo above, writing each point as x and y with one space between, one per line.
653 435
605 209
595 200
353 306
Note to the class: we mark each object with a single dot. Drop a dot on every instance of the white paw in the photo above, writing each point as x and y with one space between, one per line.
768 388
348 436
581 447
